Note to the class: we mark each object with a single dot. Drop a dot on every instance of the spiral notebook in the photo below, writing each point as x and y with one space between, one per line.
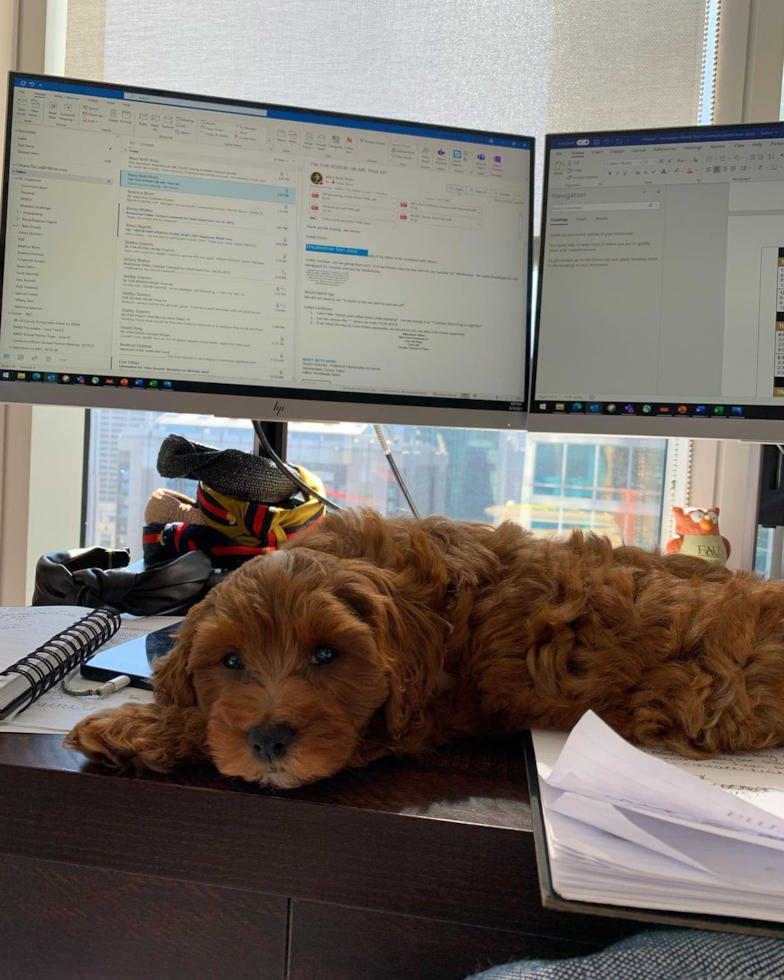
26 680
45 639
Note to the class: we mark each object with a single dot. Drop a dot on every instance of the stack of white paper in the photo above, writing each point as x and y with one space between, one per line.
22 630
650 829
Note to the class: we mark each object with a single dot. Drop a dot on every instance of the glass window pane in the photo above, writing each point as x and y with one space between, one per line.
764 550
126 444
624 502
548 464
467 474
580 465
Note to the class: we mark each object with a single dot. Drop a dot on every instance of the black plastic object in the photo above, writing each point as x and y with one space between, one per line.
771 498
96 577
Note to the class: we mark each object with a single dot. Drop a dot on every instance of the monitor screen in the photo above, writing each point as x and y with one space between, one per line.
178 252
661 306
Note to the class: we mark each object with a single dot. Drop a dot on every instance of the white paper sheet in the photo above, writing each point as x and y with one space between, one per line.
597 762
612 820
22 630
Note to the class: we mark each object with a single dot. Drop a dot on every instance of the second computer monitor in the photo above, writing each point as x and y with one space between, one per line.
661 292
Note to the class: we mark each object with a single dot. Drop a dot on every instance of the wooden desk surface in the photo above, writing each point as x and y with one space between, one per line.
420 869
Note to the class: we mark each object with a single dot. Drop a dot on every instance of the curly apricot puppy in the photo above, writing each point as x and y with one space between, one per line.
366 636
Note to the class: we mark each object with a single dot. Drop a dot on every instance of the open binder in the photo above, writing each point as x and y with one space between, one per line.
557 865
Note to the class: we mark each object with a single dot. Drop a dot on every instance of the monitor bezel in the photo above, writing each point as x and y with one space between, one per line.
270 402
672 426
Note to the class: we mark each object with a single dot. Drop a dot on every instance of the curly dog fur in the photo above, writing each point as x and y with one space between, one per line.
444 629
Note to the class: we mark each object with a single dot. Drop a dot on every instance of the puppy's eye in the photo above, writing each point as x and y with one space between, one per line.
233 661
323 656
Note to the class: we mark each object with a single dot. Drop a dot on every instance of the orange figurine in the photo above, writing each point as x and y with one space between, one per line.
697 533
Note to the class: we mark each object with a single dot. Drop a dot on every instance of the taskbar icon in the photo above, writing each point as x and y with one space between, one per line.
95 380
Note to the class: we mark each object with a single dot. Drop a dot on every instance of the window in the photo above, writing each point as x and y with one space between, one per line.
548 64
610 486
763 555
613 487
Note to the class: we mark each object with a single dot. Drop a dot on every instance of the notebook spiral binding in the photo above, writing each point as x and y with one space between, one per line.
47 665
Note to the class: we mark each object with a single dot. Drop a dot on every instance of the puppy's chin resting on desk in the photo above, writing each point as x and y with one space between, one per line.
365 637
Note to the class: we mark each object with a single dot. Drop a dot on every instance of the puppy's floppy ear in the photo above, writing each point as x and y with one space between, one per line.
416 637
364 589
410 635
172 677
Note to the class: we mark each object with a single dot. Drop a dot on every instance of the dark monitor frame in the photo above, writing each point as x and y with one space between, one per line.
745 429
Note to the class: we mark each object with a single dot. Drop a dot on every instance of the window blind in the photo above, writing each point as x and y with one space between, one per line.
522 66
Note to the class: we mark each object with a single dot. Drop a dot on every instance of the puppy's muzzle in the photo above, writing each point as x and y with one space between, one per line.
270 743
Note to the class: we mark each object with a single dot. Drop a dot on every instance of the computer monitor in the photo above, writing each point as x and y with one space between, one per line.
176 252
661 289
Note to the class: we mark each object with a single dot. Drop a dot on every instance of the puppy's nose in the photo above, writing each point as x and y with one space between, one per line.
270 742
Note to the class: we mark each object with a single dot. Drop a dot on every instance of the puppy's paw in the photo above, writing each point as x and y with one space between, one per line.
120 737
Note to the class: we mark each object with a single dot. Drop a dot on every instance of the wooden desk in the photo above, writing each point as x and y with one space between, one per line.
404 870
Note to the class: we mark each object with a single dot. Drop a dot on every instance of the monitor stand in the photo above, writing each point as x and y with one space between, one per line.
771 504
278 434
